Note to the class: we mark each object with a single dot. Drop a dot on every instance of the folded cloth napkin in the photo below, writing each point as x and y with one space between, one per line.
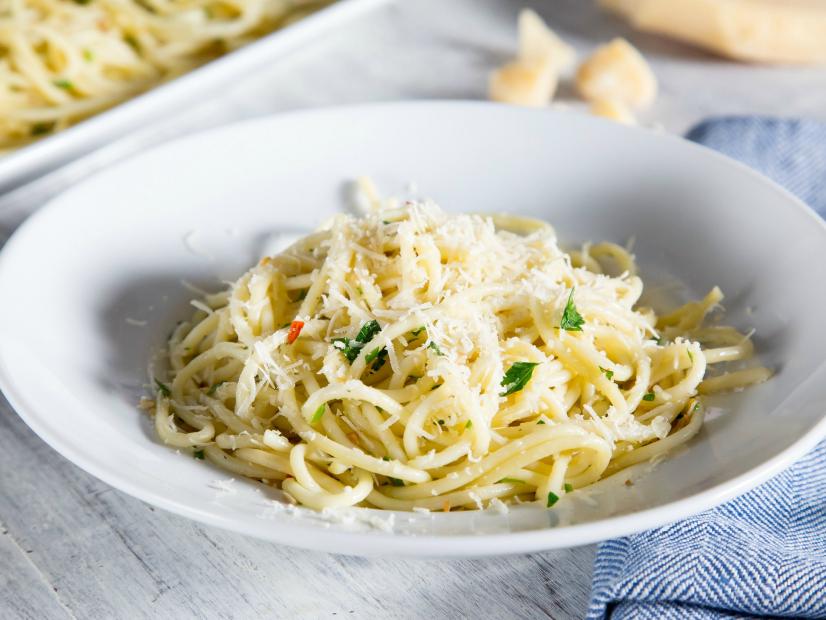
764 553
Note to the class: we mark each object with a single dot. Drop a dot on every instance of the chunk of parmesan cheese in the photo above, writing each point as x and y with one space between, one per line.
617 71
613 110
539 43
752 30
531 84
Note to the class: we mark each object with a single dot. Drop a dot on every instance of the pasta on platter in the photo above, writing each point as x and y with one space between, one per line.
63 60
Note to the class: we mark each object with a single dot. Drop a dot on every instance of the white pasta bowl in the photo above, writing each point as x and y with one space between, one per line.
92 286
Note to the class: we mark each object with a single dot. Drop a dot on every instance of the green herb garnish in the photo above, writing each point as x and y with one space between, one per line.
38 129
568 487
541 422
553 498
511 480
352 347
608 373
198 454
385 458
318 413
163 389
88 55
396 482
132 42
64 84
214 387
690 355
572 320
649 397
517 377
417 331
469 424
368 330
435 348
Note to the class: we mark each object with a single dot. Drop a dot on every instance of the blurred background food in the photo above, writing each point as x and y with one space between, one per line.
614 78
63 60
792 31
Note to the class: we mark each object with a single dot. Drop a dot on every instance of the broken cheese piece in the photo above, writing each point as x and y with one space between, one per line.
617 71
523 83
614 110
754 30
537 42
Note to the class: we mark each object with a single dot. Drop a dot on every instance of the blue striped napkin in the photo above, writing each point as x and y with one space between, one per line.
764 553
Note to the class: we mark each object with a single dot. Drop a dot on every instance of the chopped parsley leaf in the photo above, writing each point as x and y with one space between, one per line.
38 129
385 458
608 373
568 487
396 482
690 355
163 389
380 360
417 331
553 498
696 407
132 42
88 55
368 330
352 347
572 320
214 388
469 424
435 348
512 480
64 84
198 454
649 397
318 413
517 377
541 422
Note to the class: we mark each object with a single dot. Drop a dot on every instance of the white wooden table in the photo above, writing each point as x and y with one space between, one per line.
71 546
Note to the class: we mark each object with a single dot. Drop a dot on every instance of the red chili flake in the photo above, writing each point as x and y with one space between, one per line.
295 329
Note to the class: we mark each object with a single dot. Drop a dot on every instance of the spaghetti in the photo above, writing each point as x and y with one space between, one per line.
412 359
62 61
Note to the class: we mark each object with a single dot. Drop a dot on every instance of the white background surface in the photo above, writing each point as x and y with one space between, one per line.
72 547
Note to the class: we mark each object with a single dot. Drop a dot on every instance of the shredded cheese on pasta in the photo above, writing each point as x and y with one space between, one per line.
63 60
413 360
